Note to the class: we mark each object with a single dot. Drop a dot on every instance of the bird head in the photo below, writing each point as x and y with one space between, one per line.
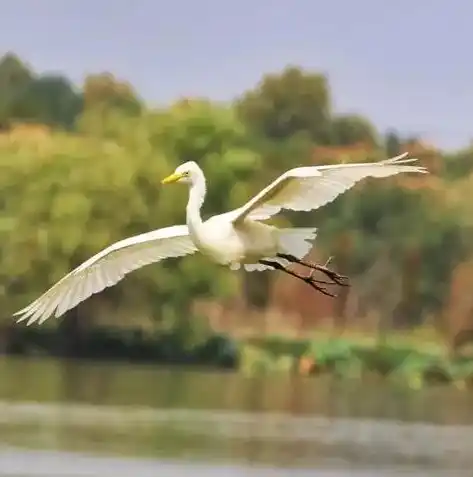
186 173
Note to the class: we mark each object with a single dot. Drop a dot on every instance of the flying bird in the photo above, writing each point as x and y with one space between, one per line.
234 239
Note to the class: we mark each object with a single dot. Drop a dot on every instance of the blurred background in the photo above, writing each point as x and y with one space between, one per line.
184 366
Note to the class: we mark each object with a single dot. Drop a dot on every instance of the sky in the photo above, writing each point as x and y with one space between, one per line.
405 64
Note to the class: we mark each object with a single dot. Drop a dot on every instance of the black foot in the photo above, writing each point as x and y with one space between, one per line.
307 279
315 285
341 280
336 278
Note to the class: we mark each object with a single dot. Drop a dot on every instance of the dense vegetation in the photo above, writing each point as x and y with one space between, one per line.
85 172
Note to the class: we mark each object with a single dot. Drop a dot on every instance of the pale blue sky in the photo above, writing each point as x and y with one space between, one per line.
405 64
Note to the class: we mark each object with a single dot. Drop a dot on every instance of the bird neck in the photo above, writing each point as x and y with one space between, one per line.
196 199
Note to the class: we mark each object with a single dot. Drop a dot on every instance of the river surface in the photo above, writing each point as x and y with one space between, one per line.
83 419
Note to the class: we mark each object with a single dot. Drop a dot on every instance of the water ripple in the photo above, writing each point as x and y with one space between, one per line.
381 437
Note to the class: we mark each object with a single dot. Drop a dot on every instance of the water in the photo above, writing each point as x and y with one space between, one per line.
85 419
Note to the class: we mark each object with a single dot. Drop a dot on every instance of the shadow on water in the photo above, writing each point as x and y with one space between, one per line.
162 415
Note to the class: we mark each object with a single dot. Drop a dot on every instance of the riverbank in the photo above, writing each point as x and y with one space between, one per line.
405 361
411 359
173 347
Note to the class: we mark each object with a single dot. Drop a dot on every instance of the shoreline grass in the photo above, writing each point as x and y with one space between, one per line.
404 358
416 358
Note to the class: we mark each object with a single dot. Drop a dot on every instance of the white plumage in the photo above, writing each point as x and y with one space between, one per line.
236 238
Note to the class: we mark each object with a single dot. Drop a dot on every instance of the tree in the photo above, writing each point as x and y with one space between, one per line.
352 129
15 77
458 165
104 91
285 114
60 196
49 99
291 102
64 203
393 144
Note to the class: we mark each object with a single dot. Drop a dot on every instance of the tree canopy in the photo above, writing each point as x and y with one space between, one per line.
91 177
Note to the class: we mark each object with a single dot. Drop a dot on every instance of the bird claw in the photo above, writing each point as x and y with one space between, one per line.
341 280
315 280
314 284
336 278
328 261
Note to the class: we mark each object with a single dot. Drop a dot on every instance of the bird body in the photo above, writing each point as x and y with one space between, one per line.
245 243
233 240
236 238
230 244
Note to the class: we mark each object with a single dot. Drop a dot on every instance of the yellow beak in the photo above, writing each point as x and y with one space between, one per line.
172 178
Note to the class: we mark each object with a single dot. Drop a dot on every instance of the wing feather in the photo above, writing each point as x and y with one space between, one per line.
308 188
107 268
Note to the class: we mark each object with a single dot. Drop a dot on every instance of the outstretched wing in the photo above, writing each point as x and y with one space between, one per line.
308 188
107 268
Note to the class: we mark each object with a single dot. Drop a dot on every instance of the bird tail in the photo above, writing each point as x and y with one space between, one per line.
297 241
400 159
294 241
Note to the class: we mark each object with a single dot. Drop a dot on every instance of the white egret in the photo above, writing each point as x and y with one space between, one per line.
236 238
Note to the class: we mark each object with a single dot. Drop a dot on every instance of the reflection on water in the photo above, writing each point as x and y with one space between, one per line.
148 413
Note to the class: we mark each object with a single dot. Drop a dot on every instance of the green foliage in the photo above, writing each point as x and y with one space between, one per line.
254 361
349 359
80 194
289 103
459 165
161 346
392 144
67 195
351 129
14 79
25 96
104 92
49 100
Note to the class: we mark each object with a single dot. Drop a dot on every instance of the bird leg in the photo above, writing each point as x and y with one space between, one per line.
341 280
307 279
